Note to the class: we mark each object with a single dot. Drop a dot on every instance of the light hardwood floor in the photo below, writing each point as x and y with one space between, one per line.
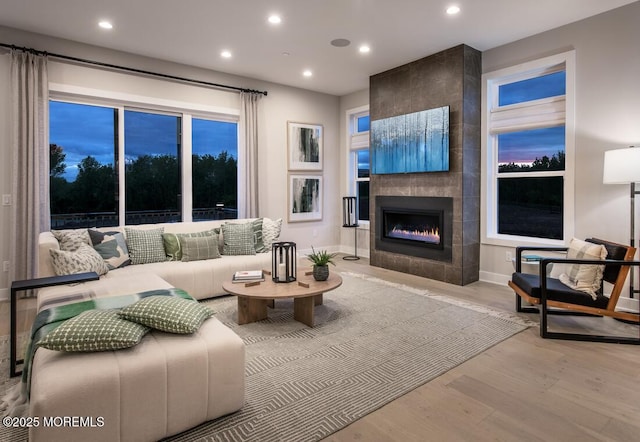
523 389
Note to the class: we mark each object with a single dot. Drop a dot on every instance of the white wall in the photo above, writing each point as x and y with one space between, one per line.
347 235
281 105
607 116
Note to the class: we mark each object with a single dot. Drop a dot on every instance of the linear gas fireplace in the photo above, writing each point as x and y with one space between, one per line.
421 227
415 226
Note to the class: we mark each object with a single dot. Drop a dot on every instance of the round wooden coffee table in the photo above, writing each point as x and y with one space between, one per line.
253 299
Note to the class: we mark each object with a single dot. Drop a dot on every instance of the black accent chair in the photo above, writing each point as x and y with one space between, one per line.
544 292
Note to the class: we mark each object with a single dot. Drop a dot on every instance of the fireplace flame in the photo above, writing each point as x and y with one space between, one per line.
429 235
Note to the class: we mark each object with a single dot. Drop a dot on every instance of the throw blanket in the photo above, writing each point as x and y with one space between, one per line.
16 400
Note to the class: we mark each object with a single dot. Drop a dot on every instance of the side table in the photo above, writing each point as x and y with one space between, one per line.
30 284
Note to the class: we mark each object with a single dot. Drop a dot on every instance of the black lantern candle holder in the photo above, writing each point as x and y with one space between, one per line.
283 262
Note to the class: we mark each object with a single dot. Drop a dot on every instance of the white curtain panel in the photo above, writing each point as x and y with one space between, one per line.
30 150
248 155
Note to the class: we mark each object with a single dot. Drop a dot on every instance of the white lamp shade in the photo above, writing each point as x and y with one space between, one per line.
622 166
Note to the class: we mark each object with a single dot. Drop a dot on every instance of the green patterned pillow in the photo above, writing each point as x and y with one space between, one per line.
171 241
94 330
145 246
84 259
70 240
238 239
258 241
198 248
167 313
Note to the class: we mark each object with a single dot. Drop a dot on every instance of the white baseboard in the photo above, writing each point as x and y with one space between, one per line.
4 294
628 304
349 251
495 278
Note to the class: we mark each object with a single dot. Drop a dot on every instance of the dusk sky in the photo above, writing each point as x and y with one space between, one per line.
84 130
526 146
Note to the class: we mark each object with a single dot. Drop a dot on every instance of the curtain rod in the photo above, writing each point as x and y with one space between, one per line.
124 68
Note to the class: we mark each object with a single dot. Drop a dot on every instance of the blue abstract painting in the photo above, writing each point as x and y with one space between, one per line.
416 142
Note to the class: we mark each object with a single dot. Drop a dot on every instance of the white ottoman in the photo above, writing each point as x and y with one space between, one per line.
165 385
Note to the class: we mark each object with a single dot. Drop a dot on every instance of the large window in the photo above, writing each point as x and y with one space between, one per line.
114 165
359 160
152 167
82 162
214 169
529 152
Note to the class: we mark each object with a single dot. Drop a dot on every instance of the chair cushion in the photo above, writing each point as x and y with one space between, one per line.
614 251
557 291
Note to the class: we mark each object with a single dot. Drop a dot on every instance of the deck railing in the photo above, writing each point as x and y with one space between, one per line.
107 219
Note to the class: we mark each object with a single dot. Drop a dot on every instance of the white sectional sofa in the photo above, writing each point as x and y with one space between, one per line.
164 385
201 279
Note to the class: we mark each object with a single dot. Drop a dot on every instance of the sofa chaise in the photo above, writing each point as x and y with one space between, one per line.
167 383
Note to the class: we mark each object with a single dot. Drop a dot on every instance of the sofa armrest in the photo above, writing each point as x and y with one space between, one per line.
46 242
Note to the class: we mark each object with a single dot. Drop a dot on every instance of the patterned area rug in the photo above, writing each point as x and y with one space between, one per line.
373 342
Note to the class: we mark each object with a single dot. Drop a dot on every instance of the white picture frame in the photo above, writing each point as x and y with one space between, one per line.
305 146
305 198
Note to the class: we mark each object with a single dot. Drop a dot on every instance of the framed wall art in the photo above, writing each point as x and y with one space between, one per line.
305 145
305 198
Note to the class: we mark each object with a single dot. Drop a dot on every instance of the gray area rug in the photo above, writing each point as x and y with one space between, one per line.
373 342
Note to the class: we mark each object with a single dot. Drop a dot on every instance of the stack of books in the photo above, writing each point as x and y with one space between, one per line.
248 276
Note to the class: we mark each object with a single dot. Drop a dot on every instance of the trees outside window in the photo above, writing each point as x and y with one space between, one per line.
90 166
214 169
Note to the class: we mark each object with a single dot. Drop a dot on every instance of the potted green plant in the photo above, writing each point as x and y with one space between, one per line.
321 260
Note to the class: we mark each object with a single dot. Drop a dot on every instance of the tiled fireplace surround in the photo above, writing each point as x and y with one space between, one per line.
449 78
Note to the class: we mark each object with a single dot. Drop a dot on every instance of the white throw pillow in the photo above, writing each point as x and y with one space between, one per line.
584 277
270 232
85 259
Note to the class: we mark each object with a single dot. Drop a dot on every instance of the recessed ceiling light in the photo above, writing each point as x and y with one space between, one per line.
274 19
225 54
105 24
307 73
364 49
452 10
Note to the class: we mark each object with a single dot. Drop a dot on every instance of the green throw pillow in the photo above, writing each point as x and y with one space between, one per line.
172 246
145 246
94 330
167 313
258 241
238 239
199 248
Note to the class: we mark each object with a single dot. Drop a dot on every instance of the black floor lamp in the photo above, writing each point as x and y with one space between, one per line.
622 166
350 219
